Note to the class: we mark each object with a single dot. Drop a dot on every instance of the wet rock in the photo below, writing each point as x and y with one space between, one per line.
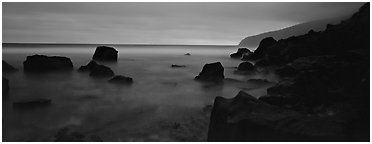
121 80
177 66
245 66
42 63
8 68
212 72
105 53
32 103
5 88
96 70
244 118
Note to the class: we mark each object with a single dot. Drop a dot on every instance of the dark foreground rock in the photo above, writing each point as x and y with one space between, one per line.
66 135
121 80
212 72
32 103
244 118
245 66
5 88
96 70
8 68
42 63
105 53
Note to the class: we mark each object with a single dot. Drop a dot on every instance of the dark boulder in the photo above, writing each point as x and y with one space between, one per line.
101 71
42 63
5 88
177 66
245 66
213 72
263 46
105 53
121 80
32 103
8 68
187 54
96 70
236 55
244 118
241 52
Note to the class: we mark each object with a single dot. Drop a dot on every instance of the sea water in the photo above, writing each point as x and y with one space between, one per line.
163 103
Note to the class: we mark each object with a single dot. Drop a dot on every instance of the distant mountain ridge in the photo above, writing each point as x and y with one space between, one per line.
299 29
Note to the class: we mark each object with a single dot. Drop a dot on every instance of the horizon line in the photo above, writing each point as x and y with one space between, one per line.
146 44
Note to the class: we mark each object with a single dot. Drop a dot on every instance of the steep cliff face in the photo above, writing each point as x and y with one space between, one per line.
323 94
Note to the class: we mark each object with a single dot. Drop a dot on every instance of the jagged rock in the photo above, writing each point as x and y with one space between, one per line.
5 88
42 63
213 72
105 53
8 68
96 70
32 103
121 80
244 118
177 66
101 71
245 66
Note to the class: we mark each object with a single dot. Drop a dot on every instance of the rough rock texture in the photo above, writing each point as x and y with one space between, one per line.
42 63
105 53
245 66
96 70
5 88
8 68
121 80
244 118
213 72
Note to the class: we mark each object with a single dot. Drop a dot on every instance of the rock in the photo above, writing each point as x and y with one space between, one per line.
245 66
187 54
259 81
105 53
96 70
7 67
244 118
177 66
101 71
213 72
42 63
121 80
236 55
32 103
5 88
263 46
286 71
240 53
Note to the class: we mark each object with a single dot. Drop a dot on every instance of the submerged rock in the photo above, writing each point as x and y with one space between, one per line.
245 66
32 103
97 70
121 80
105 53
177 66
213 72
244 118
42 63
5 88
8 68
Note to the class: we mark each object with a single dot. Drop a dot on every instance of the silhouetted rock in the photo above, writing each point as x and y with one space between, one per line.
101 71
42 63
177 66
241 52
105 53
7 67
262 47
32 103
5 88
213 72
245 66
244 118
65 135
96 70
121 80
187 54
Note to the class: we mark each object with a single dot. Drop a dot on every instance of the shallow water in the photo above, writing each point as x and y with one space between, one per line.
163 104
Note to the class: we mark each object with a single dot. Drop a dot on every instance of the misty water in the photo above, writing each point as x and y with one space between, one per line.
163 103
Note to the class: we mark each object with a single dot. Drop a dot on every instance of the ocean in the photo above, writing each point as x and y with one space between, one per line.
163 103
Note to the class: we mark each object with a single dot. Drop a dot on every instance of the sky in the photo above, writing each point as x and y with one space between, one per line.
218 23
